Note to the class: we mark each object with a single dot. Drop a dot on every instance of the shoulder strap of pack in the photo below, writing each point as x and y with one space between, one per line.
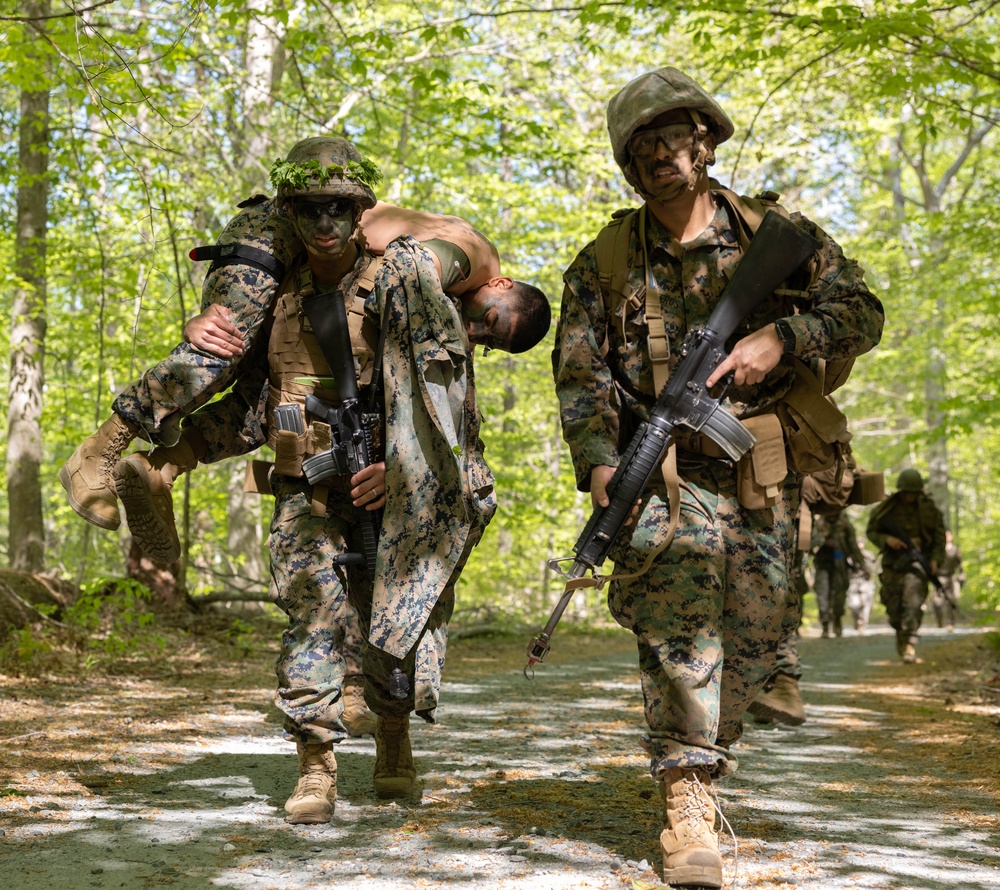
366 281
749 211
611 253
244 254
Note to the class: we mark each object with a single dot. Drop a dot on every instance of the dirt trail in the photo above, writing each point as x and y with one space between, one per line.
524 785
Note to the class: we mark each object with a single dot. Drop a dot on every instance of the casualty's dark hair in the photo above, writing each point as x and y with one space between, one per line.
533 317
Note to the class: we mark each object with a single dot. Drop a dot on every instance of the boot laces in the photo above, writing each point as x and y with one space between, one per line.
312 784
724 825
110 456
696 804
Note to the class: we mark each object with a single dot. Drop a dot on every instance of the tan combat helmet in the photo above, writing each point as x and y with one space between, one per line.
326 165
650 95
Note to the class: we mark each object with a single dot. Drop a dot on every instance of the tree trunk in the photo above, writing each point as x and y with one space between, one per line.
264 61
160 578
21 593
27 337
244 539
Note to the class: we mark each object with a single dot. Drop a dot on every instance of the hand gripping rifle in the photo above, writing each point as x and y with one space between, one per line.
777 249
890 527
352 428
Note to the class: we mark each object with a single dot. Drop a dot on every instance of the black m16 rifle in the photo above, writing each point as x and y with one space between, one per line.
777 249
352 428
917 558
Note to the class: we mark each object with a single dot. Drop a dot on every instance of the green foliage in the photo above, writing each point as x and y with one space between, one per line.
877 121
298 176
113 615
110 619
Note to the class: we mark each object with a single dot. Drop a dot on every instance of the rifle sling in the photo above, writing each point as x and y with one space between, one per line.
672 480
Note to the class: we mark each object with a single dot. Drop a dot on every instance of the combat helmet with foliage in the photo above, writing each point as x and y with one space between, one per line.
326 165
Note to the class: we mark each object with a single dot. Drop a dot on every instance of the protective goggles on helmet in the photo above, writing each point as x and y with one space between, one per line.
675 136
315 209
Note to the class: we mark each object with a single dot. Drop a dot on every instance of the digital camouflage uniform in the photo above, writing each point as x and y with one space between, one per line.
861 594
786 656
903 584
708 614
439 500
835 555
188 378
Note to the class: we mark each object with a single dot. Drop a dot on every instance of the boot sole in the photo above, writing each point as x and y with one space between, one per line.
308 819
66 481
693 877
764 712
152 535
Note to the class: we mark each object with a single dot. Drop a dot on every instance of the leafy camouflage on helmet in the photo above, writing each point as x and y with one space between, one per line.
652 94
910 480
326 165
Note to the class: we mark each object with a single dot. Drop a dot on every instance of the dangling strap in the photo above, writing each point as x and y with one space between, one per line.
659 347
673 482
659 353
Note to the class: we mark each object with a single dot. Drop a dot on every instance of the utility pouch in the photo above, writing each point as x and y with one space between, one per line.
288 450
258 477
761 472
815 428
868 488
289 439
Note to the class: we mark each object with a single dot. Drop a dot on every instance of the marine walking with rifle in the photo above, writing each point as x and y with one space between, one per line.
327 433
908 530
352 444
701 571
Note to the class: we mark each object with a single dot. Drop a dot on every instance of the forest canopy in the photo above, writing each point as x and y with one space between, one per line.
131 130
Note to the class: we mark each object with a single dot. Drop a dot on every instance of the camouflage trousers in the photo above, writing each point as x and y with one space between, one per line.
353 638
320 647
945 601
903 595
831 583
708 614
786 657
188 378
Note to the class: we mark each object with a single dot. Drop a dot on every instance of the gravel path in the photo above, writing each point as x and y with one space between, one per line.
539 785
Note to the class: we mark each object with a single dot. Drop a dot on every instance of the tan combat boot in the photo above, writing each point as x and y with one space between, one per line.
781 703
315 795
910 654
394 771
358 719
86 476
143 481
690 845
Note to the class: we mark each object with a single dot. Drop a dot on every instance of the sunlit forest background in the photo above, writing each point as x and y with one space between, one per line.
130 130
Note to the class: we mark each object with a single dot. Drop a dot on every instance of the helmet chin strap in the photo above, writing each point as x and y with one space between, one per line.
705 157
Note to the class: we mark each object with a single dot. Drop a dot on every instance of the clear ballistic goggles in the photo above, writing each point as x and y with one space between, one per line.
675 137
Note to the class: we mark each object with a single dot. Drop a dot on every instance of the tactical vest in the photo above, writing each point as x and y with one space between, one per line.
813 429
611 253
298 368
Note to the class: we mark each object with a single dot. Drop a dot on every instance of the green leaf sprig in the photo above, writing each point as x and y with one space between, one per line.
297 176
